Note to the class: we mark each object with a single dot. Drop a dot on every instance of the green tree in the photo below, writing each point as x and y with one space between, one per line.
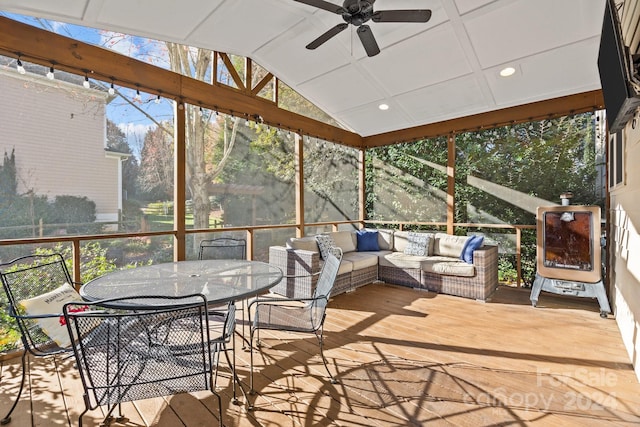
8 179
117 141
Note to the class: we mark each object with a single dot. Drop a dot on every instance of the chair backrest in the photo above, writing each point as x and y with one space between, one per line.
223 248
222 323
138 351
29 277
325 284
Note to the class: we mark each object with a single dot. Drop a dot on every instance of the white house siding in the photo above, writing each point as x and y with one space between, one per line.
624 247
624 217
58 132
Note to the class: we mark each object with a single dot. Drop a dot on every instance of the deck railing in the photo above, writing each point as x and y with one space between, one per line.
76 240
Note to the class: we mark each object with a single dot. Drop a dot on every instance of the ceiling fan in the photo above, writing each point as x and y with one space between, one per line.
356 13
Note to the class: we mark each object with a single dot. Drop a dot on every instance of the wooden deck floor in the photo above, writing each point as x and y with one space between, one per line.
404 358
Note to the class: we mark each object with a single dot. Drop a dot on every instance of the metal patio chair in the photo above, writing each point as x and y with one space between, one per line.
225 248
136 348
305 315
38 279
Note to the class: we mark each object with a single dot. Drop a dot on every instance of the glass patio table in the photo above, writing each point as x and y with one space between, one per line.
220 281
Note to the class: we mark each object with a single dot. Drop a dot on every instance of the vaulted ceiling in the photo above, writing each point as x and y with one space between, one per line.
426 73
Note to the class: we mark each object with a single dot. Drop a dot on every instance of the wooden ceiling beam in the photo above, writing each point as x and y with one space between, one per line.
551 108
45 48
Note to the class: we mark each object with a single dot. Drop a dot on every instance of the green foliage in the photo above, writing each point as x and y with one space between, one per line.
117 141
93 263
8 181
73 209
499 173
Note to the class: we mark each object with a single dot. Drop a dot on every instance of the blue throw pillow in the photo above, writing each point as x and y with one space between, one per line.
473 242
367 240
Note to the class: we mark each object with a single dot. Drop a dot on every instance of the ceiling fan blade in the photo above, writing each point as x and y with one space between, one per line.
368 41
401 16
321 4
327 35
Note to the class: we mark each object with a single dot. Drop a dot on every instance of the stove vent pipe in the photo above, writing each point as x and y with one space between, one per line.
566 198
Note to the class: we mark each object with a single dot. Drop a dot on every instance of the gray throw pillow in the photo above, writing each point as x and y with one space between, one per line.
417 244
325 245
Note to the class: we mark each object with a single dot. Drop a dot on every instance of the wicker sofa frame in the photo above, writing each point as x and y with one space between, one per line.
305 265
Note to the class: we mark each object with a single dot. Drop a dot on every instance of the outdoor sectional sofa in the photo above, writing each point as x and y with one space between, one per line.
430 261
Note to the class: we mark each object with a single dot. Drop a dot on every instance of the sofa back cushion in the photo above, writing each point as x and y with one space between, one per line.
345 240
401 241
448 245
303 243
385 238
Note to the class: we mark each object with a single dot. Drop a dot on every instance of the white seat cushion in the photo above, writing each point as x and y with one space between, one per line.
361 260
448 266
400 260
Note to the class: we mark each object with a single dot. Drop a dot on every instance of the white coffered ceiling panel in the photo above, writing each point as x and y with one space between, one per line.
175 21
449 100
535 80
521 28
441 59
442 69
69 9
239 29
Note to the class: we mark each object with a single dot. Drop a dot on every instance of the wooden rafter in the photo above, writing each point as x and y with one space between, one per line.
261 84
45 48
232 70
551 108
67 54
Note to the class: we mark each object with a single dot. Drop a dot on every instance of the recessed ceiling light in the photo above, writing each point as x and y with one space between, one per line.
508 71
383 107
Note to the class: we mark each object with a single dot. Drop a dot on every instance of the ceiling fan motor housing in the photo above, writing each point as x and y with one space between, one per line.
357 12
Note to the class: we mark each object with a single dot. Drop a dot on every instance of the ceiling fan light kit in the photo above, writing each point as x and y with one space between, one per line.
357 13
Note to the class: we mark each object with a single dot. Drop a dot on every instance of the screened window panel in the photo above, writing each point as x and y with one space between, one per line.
239 172
408 182
330 181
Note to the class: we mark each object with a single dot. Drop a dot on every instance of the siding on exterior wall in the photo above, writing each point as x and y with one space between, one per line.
624 242
58 132
625 248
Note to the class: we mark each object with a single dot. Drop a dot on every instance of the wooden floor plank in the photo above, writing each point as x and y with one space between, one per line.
403 357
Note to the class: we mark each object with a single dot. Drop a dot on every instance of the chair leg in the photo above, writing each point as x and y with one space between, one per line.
232 366
212 386
251 389
7 418
324 360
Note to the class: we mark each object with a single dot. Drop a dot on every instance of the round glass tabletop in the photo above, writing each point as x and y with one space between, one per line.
220 281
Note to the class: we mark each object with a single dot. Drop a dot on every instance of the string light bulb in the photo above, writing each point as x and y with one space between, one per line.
20 67
200 112
86 83
112 90
137 97
50 74
157 100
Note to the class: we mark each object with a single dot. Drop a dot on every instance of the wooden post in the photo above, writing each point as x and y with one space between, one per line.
451 183
179 181
362 202
299 152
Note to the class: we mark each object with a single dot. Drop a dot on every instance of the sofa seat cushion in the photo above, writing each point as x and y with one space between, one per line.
448 266
400 260
346 267
361 260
